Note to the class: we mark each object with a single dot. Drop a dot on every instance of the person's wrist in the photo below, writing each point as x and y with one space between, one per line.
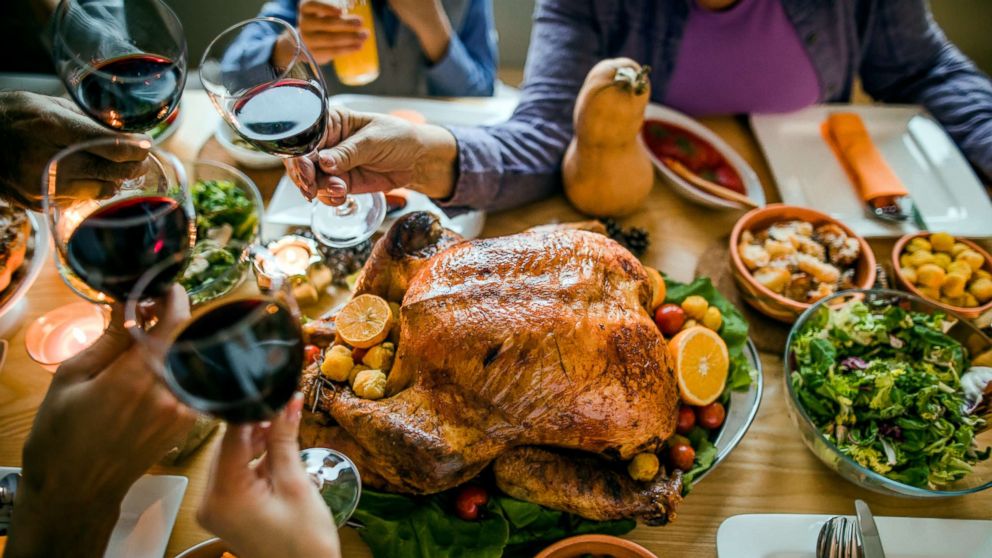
45 523
434 171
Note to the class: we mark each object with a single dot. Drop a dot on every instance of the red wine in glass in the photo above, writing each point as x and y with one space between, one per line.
239 360
131 93
113 246
285 117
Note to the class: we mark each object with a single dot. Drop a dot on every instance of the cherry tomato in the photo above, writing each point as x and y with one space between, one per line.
311 353
670 318
687 419
358 354
727 176
469 501
682 456
711 416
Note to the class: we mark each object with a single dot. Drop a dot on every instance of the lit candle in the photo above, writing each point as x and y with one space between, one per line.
293 259
64 332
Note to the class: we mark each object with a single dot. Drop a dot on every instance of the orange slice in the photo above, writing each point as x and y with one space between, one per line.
365 321
701 364
658 289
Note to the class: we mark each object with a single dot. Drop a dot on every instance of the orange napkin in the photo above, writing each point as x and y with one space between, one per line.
846 135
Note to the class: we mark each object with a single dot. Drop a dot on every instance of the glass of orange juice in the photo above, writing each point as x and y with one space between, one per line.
361 67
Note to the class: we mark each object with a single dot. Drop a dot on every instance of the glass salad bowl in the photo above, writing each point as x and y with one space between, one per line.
229 221
962 331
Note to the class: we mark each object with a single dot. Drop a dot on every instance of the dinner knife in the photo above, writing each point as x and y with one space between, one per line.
870 541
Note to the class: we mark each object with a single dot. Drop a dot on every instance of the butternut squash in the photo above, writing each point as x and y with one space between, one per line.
606 171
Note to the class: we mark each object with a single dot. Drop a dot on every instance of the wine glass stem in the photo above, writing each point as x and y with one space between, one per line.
348 208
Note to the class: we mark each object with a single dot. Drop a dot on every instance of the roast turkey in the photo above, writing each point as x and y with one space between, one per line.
533 353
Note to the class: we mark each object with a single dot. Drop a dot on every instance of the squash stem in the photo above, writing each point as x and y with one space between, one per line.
636 81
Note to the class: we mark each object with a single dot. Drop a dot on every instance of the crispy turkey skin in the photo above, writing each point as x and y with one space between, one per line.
538 340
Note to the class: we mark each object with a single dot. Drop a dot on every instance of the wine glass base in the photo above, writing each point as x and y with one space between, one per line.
349 224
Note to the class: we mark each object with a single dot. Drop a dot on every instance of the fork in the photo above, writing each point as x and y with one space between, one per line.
839 538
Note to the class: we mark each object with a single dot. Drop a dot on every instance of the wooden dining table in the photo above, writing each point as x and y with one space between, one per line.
771 471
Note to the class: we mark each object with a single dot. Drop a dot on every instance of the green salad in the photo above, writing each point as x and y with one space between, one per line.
226 219
884 386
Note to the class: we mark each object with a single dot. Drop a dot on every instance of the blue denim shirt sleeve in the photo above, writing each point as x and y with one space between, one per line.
250 53
519 161
909 60
468 68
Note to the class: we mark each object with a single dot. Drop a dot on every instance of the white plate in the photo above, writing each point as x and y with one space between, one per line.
466 111
148 514
12 301
794 536
289 208
751 183
942 184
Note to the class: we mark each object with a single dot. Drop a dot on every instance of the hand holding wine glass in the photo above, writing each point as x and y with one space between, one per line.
267 508
105 420
33 128
124 63
279 105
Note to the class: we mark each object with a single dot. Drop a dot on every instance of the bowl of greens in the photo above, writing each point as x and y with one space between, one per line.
228 222
887 390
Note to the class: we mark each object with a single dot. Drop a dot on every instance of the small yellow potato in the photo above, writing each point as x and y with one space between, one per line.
920 258
960 268
380 356
354 373
644 467
982 274
909 274
904 260
942 242
695 307
953 285
930 275
370 384
981 289
337 363
958 248
933 293
942 259
713 319
919 243
972 258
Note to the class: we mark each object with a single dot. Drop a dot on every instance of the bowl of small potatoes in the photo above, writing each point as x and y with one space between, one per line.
953 273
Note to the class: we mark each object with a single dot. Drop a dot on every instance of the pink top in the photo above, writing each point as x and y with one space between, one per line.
746 59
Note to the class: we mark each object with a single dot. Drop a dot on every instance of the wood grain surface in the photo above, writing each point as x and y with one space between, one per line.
770 472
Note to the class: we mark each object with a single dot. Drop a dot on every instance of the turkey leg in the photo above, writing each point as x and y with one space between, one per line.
585 485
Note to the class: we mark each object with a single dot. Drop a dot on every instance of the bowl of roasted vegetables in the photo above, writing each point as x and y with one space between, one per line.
228 221
892 393
953 273
786 258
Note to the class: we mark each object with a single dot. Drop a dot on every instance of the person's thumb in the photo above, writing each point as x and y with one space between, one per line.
282 446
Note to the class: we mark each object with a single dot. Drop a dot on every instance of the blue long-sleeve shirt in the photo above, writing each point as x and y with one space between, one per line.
468 67
895 47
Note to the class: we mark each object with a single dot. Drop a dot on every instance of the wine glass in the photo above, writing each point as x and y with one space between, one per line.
123 62
280 107
116 207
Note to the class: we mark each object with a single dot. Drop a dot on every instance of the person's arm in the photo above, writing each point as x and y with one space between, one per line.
467 65
908 59
253 48
519 161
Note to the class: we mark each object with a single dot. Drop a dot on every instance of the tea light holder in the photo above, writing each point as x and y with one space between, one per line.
64 332
300 260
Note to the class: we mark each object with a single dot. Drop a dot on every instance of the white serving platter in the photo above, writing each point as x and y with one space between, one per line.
288 208
943 186
794 536
750 179
148 515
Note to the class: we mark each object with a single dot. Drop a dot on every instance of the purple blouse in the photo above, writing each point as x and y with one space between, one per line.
744 59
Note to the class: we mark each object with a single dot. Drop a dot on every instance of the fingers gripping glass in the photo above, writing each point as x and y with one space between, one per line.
280 106
123 62
116 208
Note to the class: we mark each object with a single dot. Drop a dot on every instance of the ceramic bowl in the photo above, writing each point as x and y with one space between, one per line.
763 299
249 158
595 545
752 186
969 313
